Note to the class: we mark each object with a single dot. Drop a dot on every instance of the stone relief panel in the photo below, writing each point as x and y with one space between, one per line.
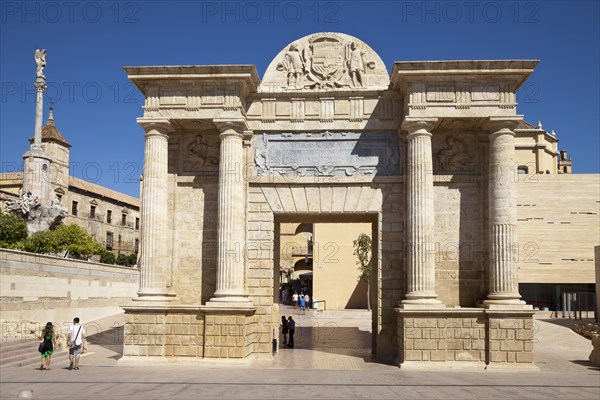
326 61
327 154
199 155
455 154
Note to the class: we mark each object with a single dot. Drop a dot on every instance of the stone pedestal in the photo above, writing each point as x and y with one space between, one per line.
36 175
188 334
155 267
420 217
465 338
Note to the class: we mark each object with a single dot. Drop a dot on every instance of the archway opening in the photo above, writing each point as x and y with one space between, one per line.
314 255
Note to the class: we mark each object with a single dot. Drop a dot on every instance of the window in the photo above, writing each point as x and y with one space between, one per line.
123 219
74 208
136 246
108 217
109 240
92 211
565 170
137 223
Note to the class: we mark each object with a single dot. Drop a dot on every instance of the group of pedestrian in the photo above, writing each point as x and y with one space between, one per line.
49 341
288 326
302 300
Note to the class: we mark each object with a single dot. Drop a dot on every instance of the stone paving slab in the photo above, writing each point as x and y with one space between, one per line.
313 369
211 382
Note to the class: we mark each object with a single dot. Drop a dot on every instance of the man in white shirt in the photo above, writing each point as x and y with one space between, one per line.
76 341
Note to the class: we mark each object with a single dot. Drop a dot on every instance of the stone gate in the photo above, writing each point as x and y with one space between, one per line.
425 155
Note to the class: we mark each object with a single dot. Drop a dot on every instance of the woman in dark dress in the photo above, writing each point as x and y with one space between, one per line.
47 347
284 329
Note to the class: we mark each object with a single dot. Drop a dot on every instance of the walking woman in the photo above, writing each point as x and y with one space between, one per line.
47 346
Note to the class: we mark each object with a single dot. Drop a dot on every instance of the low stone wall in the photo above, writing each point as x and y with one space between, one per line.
465 337
36 288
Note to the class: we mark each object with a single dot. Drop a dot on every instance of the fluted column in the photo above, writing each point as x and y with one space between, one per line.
420 216
502 203
231 223
155 273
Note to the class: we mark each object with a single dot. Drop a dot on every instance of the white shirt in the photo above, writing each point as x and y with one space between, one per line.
73 329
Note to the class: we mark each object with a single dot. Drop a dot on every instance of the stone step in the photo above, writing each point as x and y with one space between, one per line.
29 356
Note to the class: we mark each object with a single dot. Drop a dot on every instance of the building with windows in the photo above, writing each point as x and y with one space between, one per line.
110 217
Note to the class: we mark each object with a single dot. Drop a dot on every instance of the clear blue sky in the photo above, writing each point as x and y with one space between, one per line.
96 106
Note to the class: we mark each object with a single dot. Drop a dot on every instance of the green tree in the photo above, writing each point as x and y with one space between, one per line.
40 242
12 230
362 251
71 238
75 240
122 259
107 257
133 259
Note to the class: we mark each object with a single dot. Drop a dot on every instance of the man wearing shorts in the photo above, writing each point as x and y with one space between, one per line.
76 342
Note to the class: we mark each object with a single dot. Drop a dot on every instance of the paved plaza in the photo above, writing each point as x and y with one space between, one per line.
331 360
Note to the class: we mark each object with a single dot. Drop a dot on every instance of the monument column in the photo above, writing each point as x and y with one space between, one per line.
36 163
502 214
231 223
420 213
155 277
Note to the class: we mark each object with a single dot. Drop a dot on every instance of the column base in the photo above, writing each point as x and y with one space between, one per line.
506 304
155 296
229 298
422 306
417 303
229 302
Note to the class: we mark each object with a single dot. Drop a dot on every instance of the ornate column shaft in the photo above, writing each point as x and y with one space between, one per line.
155 277
502 203
420 216
231 217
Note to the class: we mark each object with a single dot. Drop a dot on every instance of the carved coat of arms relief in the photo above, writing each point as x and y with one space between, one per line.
326 62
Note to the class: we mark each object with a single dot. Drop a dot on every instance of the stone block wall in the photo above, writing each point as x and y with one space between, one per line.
66 287
455 337
460 247
510 338
188 333
233 336
164 334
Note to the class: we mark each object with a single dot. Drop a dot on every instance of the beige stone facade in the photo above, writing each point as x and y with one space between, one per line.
425 157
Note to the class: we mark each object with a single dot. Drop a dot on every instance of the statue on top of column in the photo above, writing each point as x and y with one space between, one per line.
40 60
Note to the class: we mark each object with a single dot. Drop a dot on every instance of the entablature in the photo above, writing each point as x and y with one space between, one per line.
184 91
460 88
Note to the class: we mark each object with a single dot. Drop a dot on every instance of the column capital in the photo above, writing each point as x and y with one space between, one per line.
419 125
162 125
236 125
501 124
